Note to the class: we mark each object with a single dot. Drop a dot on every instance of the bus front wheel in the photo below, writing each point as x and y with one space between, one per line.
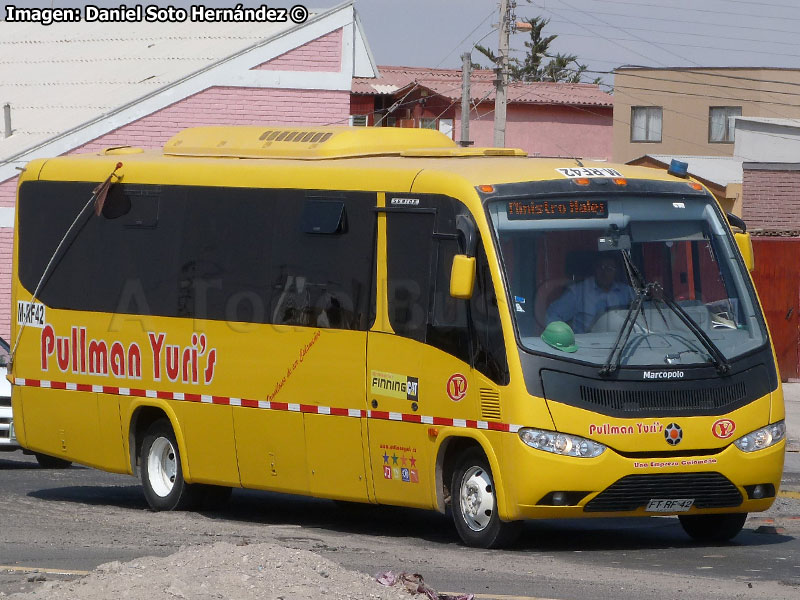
713 528
474 504
162 474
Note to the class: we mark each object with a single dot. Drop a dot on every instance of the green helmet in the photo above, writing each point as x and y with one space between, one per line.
560 336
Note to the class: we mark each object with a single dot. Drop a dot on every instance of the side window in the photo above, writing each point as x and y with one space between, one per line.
224 258
233 254
409 265
421 246
322 247
489 346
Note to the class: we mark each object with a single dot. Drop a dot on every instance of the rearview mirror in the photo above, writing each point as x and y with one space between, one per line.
462 277
746 248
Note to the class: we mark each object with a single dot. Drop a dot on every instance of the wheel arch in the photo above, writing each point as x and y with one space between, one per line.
142 416
449 447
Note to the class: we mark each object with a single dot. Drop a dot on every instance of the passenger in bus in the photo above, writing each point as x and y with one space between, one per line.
583 302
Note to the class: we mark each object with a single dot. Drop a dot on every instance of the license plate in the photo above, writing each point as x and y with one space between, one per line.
669 504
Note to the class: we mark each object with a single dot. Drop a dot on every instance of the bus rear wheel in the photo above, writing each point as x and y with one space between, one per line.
162 474
713 528
474 504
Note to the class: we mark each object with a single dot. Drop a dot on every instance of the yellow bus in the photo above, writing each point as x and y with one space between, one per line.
378 315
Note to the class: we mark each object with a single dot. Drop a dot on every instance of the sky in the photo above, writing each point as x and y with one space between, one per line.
604 34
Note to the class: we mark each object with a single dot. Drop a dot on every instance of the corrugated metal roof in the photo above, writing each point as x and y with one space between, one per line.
770 121
447 83
721 170
60 76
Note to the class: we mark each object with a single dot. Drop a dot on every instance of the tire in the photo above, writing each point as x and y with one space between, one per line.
51 462
713 528
162 474
474 504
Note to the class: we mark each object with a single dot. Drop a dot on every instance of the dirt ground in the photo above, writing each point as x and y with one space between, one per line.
221 571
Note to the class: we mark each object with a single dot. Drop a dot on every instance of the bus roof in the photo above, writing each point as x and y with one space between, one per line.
362 158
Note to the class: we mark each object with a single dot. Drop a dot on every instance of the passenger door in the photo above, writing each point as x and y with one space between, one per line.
418 351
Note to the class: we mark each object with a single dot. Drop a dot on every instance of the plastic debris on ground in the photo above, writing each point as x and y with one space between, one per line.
415 585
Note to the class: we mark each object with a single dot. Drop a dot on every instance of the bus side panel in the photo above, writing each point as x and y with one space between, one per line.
63 424
208 431
114 456
270 449
402 453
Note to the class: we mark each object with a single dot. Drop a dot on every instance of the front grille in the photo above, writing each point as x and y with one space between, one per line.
709 490
5 401
717 399
5 428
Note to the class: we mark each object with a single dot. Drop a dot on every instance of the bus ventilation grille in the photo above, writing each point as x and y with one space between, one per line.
709 490
281 135
636 401
490 404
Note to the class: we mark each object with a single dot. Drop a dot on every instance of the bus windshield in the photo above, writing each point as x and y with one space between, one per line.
626 280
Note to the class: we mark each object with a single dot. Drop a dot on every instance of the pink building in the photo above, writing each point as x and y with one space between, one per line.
82 87
544 119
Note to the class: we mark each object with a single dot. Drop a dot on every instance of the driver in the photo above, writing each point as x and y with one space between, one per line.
584 301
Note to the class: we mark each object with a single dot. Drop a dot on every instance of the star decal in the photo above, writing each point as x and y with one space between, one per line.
385 458
394 459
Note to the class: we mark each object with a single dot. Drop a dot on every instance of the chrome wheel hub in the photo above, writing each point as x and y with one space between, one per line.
162 467
476 496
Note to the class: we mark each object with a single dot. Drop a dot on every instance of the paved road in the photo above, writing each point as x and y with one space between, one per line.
75 519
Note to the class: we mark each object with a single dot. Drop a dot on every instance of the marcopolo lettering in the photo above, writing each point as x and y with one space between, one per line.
662 375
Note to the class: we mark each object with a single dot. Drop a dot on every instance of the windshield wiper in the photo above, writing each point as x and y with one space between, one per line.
639 288
655 292
719 360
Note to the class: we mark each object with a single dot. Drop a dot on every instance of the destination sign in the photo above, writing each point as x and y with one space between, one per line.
557 209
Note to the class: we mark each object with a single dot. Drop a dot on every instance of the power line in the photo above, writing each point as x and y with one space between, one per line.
700 10
688 33
746 51
713 97
457 46
668 20
715 85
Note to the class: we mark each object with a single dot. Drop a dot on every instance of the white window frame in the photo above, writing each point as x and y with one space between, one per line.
727 124
647 123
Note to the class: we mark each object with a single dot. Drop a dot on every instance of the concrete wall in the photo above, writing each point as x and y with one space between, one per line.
546 130
766 142
686 96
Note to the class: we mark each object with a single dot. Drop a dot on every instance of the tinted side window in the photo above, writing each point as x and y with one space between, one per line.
322 279
421 246
409 264
213 253
127 263
489 346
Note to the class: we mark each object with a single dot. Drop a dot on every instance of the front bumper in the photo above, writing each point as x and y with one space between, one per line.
615 485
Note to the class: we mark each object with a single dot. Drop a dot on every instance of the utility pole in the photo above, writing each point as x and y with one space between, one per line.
501 81
466 71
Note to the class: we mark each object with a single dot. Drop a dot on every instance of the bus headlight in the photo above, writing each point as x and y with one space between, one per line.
560 443
762 438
